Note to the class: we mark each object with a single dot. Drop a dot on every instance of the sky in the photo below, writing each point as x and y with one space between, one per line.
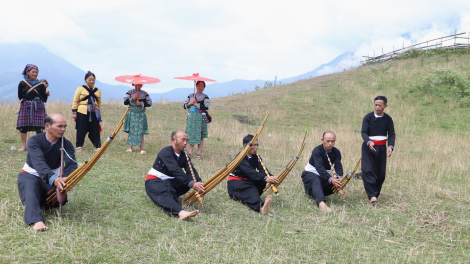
222 40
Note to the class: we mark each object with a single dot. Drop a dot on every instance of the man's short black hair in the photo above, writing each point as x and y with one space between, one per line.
247 139
381 97
48 120
173 134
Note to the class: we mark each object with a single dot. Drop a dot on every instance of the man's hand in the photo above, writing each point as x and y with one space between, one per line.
371 146
74 116
337 183
198 187
192 102
48 93
59 183
272 180
390 150
138 102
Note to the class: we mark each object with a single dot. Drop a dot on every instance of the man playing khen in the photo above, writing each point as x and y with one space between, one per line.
247 181
316 176
375 128
42 168
166 180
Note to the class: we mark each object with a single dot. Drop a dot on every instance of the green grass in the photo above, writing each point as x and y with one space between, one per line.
422 216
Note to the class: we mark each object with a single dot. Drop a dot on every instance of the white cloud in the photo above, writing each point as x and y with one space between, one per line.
220 39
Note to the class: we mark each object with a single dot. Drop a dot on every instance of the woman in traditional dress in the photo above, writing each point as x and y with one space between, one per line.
196 122
32 94
136 120
86 112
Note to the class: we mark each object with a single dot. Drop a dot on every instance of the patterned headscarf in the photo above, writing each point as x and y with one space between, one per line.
28 68
25 73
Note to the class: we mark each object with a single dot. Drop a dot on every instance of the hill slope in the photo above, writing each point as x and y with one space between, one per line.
422 216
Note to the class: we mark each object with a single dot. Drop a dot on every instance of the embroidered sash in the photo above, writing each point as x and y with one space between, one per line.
31 87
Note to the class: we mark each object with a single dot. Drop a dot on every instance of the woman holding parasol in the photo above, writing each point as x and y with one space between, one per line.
136 119
197 104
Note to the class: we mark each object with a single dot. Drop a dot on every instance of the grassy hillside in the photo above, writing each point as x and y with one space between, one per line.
422 216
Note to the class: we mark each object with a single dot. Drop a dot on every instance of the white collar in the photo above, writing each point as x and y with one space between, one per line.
376 116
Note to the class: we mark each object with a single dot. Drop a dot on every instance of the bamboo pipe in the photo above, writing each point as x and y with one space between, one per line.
237 160
100 152
221 177
198 196
68 178
226 170
347 178
283 174
274 188
60 196
334 176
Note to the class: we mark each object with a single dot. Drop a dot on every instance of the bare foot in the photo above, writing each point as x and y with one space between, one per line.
183 215
23 148
324 207
40 226
373 200
267 203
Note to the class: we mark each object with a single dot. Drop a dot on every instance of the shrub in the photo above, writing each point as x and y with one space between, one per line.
447 84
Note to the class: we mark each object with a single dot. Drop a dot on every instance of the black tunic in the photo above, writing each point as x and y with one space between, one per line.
42 158
319 160
316 179
165 192
374 164
23 96
251 184
382 126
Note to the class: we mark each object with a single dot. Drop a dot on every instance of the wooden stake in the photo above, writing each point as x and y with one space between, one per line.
455 41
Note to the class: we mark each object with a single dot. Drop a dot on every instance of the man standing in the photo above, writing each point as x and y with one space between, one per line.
316 176
166 180
376 126
42 168
247 181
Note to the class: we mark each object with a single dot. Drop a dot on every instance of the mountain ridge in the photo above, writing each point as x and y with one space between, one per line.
65 77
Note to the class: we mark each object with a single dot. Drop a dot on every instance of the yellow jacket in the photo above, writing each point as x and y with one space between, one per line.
82 106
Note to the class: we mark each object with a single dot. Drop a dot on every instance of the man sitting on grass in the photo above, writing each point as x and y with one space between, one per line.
316 176
41 171
247 181
166 180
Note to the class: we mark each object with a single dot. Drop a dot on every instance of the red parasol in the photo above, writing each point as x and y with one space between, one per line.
195 77
137 79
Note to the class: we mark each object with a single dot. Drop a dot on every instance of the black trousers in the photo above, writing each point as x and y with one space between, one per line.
316 186
33 195
165 193
374 165
247 192
84 127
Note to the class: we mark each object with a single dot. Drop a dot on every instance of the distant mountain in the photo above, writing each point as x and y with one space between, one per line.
343 62
63 77
212 90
